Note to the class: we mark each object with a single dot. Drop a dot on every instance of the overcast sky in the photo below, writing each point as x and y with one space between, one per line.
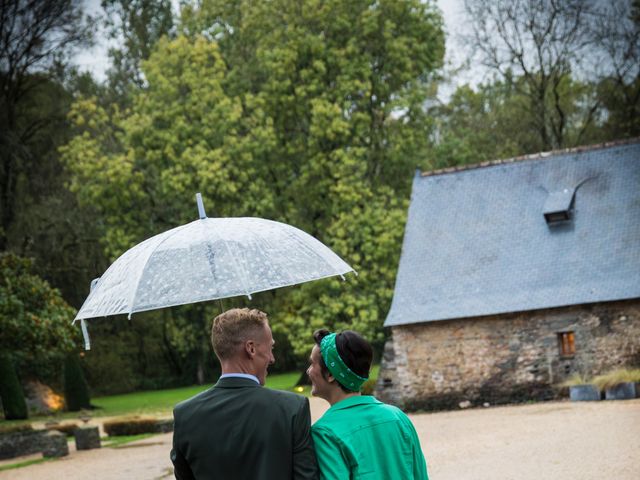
96 61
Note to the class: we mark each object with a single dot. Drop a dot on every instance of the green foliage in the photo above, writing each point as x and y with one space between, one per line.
35 322
581 85
13 402
76 391
495 121
39 218
151 351
621 101
138 25
309 113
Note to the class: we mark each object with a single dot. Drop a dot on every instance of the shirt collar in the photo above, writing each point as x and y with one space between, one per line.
240 375
354 401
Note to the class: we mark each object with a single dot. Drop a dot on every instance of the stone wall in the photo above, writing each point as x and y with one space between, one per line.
505 358
17 444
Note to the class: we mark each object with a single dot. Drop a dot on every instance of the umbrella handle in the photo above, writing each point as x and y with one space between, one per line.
85 334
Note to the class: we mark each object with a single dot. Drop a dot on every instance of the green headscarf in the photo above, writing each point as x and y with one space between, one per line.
336 365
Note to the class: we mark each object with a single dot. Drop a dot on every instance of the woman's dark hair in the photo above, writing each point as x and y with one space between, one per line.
354 350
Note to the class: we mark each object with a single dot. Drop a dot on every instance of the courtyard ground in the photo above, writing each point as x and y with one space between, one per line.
543 441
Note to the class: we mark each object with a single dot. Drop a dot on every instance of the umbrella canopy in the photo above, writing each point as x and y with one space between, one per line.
208 259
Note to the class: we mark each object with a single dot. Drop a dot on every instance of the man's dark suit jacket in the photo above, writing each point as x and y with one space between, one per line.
240 430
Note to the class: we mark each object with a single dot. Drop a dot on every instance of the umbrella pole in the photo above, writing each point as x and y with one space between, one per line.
221 307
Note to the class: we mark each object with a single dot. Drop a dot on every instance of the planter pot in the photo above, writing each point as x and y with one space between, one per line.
584 393
622 391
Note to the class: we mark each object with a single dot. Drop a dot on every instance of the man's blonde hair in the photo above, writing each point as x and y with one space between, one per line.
234 327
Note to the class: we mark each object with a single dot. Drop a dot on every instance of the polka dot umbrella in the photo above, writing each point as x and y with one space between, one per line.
208 259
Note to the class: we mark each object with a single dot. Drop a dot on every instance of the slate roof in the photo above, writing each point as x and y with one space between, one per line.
477 241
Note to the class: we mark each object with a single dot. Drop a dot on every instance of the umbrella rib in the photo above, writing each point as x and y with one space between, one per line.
242 277
144 268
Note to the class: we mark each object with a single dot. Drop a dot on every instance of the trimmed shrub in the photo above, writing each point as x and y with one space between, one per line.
76 391
13 402
6 429
67 428
130 426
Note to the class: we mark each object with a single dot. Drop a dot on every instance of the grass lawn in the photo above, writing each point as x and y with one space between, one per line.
115 442
161 402
26 463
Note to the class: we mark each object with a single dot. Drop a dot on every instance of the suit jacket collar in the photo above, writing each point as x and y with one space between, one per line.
236 382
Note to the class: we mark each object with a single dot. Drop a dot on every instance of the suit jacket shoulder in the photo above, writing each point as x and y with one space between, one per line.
238 429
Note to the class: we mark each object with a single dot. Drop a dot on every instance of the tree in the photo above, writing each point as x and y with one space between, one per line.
13 402
492 121
76 391
35 322
180 138
615 31
39 217
309 114
34 39
35 325
344 85
137 25
534 46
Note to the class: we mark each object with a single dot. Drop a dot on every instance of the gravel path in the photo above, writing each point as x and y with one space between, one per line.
548 441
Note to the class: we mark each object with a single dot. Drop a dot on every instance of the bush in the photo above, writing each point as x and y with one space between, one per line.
76 391
575 379
130 426
612 379
13 402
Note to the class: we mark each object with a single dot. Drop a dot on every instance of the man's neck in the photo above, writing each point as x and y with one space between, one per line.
233 366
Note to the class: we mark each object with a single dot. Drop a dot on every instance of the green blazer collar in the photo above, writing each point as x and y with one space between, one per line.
236 382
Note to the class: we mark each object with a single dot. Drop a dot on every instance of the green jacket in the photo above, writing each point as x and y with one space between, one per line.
239 430
363 438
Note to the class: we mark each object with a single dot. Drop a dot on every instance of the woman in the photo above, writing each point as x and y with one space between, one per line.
359 437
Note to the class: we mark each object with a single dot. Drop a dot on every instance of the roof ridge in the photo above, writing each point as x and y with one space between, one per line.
531 156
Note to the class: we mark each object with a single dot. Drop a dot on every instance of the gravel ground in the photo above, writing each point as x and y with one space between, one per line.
548 441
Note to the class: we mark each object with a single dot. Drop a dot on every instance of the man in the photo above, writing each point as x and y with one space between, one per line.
358 437
237 429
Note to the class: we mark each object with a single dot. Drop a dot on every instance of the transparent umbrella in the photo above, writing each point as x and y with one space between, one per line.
208 259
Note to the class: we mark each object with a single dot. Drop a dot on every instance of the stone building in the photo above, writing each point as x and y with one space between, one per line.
514 275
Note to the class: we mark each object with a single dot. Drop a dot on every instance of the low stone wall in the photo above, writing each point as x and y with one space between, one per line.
505 358
18 444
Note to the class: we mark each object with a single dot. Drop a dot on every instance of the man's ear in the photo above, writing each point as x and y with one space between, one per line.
250 348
